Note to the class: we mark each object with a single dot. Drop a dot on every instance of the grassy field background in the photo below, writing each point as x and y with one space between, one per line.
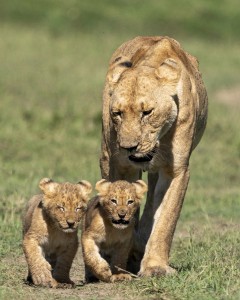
53 59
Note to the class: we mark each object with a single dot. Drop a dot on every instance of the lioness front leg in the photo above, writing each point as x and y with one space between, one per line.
146 222
39 268
156 256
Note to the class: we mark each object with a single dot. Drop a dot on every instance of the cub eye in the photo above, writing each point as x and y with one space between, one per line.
117 113
61 208
147 112
80 208
130 202
114 201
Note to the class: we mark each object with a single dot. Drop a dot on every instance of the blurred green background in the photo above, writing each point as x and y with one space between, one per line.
53 59
54 55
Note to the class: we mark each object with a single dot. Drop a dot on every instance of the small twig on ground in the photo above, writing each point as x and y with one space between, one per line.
125 271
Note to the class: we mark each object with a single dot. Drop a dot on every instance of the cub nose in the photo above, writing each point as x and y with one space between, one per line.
122 214
70 223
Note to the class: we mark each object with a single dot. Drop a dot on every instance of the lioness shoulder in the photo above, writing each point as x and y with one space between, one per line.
108 228
50 228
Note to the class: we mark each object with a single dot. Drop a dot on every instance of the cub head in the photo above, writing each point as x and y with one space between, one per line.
143 93
65 203
120 200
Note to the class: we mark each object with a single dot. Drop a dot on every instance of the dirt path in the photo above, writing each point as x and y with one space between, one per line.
15 270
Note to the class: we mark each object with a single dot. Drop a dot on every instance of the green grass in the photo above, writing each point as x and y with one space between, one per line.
54 57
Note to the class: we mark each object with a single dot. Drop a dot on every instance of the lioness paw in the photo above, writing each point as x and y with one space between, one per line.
156 271
120 277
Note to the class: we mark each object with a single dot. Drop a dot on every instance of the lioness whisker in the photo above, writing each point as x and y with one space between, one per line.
115 153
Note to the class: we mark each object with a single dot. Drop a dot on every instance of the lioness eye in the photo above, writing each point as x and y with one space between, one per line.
78 208
114 201
130 202
117 113
147 112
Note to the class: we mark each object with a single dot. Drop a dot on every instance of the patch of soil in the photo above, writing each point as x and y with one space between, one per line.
15 273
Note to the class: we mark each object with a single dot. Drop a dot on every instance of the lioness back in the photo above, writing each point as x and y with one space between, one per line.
108 228
50 228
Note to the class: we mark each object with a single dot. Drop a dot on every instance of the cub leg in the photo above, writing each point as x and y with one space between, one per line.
93 260
63 265
39 268
119 260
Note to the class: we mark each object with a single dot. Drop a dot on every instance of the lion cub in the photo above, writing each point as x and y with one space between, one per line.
50 226
108 228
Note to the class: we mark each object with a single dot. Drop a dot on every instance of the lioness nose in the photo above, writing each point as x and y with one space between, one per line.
130 149
70 223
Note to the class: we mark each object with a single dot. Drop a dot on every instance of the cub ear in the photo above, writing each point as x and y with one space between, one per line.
86 187
102 187
48 186
140 187
169 70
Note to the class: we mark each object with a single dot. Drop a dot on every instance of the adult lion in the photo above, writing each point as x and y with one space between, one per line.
154 115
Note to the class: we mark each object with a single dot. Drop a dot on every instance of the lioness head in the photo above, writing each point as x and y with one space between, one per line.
143 100
65 203
120 200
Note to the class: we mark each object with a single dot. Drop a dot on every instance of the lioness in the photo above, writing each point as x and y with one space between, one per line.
154 115
50 226
108 227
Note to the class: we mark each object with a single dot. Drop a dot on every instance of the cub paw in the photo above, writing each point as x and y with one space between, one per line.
66 285
44 280
64 282
157 271
120 277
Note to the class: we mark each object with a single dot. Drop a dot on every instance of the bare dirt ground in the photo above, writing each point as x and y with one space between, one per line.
98 290
15 275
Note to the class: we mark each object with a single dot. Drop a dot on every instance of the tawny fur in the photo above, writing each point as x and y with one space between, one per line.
154 115
50 225
108 228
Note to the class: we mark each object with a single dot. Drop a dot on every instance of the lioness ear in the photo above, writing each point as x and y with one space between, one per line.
169 70
85 187
120 64
102 187
140 187
48 186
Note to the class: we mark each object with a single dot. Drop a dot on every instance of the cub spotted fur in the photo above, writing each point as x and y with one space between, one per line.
108 228
50 226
